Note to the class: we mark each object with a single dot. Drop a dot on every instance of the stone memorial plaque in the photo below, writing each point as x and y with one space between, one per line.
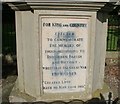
64 53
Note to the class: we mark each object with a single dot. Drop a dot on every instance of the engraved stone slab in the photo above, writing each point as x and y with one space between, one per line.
64 52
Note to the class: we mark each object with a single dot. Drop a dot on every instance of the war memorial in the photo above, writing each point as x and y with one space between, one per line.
61 48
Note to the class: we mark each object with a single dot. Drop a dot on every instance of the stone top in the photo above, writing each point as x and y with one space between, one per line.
60 0
73 5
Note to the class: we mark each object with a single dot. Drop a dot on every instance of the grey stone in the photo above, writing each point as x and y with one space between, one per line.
7 86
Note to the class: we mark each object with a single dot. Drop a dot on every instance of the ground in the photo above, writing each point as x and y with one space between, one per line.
112 75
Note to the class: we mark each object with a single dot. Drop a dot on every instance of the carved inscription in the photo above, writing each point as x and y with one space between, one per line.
64 54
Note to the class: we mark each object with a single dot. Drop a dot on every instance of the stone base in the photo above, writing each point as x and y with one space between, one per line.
17 96
104 91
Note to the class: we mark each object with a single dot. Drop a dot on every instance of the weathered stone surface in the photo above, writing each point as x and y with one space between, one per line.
7 86
17 96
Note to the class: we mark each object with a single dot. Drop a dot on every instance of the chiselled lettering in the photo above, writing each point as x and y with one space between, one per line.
64 54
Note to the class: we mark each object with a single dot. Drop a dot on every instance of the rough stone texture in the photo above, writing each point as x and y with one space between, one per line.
104 91
7 85
17 96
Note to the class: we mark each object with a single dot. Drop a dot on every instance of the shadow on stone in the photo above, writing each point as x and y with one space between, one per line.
58 102
76 102
38 103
